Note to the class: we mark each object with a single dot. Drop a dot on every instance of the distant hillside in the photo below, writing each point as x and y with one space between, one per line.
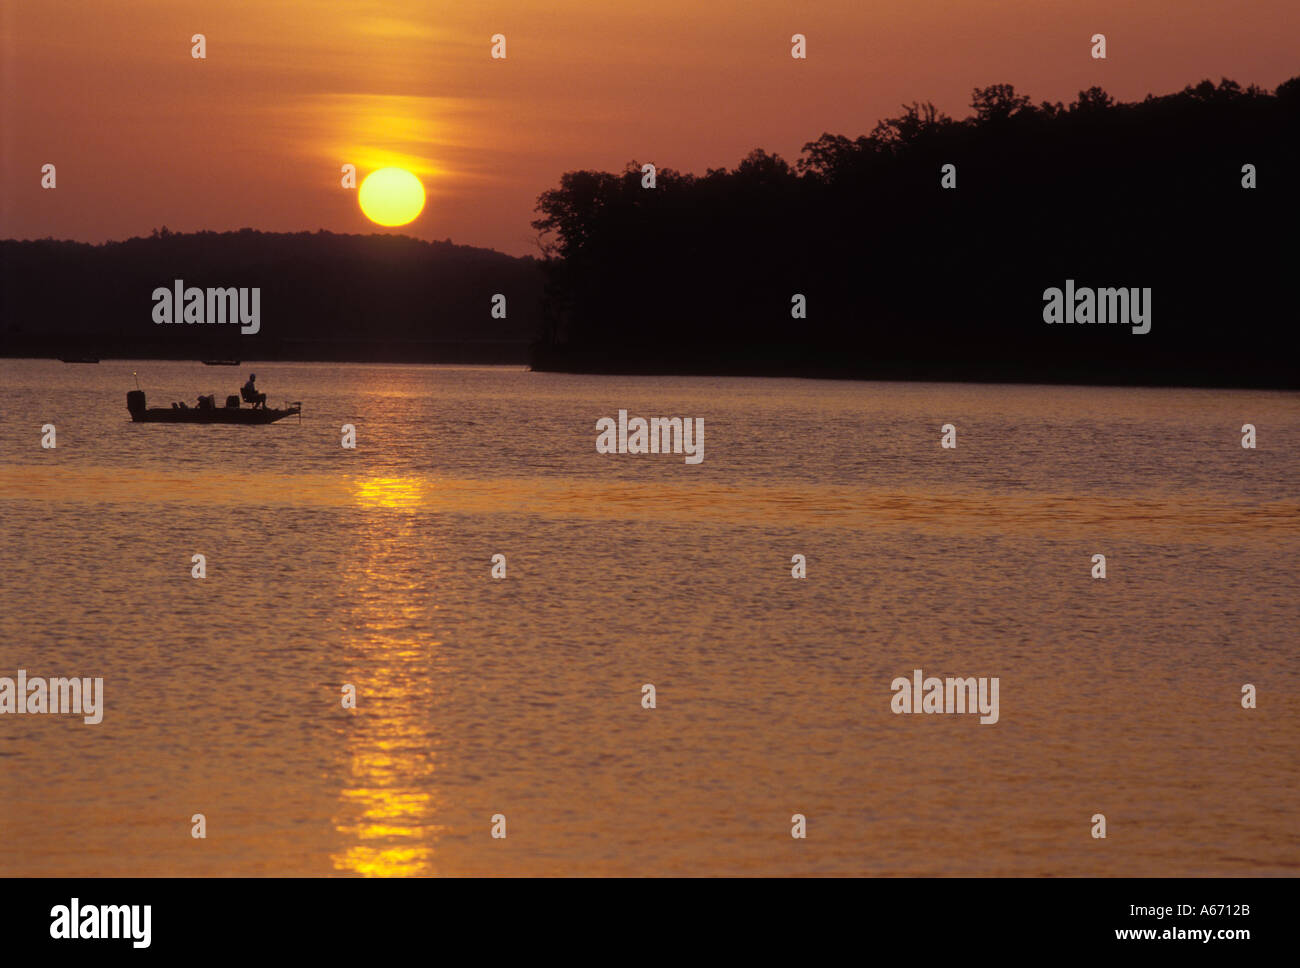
323 297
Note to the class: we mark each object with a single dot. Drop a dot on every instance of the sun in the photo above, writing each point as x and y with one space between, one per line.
391 196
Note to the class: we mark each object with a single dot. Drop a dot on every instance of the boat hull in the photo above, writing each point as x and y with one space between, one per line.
218 415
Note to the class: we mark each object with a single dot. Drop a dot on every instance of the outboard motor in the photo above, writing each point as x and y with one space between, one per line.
135 402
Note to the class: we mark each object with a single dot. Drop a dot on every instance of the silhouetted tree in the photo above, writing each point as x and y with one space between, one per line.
1093 99
998 102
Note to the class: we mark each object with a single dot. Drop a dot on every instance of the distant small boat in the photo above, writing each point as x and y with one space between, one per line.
221 362
206 413
78 359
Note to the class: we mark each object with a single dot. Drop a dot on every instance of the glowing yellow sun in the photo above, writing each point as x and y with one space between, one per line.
391 196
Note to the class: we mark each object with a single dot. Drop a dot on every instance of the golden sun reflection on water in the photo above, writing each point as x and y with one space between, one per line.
385 815
389 802
389 492
387 805
1175 514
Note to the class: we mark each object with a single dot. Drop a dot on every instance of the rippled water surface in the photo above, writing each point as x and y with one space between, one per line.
522 696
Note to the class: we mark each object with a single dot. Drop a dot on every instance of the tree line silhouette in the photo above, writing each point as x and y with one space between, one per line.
904 278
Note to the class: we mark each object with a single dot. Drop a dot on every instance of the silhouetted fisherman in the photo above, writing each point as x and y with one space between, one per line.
251 395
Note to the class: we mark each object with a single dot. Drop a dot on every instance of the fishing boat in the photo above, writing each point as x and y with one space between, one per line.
207 411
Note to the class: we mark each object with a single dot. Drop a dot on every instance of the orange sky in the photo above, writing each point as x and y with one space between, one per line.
144 135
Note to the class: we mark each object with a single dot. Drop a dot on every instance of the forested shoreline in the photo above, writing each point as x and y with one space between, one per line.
903 277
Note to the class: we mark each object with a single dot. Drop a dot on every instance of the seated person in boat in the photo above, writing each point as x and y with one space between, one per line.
250 393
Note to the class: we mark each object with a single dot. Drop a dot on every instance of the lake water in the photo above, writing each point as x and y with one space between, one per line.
522 696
